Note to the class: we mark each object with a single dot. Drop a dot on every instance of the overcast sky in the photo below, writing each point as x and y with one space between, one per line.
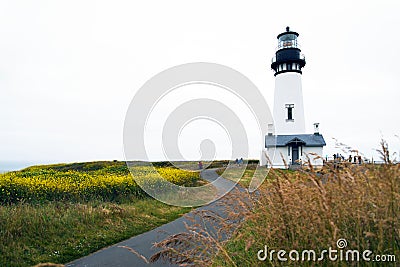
69 69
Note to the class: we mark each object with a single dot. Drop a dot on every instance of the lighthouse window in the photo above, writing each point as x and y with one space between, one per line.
290 114
289 66
289 108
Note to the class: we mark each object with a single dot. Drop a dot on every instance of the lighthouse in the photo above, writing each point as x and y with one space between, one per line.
287 145
287 65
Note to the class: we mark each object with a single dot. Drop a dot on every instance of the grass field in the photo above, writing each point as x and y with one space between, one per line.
303 210
83 182
234 172
292 210
57 213
310 210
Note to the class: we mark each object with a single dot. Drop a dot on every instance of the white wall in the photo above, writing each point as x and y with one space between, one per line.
288 90
310 151
280 154
277 156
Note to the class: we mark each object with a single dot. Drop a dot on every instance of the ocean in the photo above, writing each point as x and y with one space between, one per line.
6 166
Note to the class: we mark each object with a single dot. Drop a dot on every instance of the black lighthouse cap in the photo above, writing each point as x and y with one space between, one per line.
288 31
288 57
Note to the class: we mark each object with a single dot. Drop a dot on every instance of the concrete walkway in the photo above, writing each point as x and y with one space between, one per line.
115 256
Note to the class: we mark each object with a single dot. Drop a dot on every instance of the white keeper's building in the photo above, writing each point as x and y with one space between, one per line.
286 140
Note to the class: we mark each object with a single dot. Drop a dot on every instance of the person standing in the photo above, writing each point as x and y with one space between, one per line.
200 165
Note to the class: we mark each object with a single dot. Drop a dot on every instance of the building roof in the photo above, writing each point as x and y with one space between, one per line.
310 140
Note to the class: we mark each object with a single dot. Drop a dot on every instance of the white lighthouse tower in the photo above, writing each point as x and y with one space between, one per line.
287 144
288 62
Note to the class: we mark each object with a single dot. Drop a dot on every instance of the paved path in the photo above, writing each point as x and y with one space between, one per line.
117 257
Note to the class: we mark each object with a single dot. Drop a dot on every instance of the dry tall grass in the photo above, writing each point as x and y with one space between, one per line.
298 211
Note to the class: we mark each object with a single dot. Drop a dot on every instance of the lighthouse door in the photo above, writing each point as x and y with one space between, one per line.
295 154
